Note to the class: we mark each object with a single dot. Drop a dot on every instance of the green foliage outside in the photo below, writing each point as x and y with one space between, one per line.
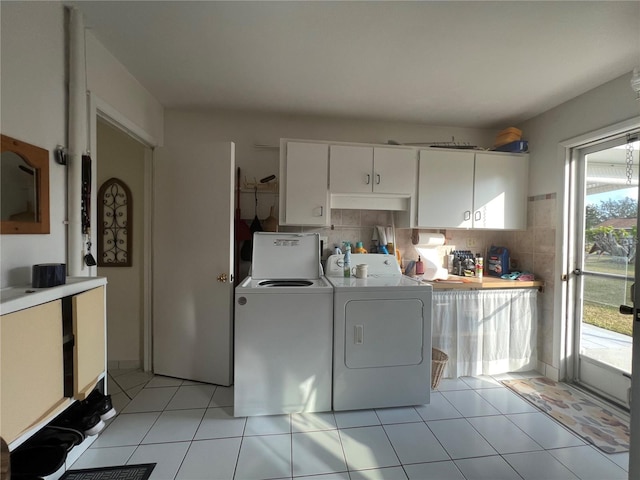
611 251
615 242
607 317
607 209
603 296
618 233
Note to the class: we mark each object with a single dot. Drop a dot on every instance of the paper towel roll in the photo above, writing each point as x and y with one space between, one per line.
426 239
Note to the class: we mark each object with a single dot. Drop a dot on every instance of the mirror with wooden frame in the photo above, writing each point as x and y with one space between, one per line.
24 192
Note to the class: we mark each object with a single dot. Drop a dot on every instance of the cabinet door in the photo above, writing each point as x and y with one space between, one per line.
89 332
394 170
500 191
445 189
306 195
351 169
31 368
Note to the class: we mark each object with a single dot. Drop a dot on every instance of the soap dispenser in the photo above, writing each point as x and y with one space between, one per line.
419 267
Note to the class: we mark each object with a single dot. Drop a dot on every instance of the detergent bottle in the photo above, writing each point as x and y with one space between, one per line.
359 248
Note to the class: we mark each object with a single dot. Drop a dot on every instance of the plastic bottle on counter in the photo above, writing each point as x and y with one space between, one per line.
419 267
347 259
450 263
479 266
359 248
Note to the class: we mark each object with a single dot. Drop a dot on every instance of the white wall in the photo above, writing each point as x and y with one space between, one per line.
122 157
606 105
114 85
33 107
249 128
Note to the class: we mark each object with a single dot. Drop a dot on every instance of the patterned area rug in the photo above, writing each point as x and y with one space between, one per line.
124 472
596 425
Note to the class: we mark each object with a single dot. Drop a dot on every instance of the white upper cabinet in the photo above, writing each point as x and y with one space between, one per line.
362 169
351 169
500 191
445 189
465 189
394 170
304 168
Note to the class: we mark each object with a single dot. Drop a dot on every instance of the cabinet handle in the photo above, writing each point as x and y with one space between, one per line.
478 215
368 179
321 210
467 215
377 179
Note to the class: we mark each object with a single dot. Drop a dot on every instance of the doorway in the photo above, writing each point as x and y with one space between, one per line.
605 195
123 157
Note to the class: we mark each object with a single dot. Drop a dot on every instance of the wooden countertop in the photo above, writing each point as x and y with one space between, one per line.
472 283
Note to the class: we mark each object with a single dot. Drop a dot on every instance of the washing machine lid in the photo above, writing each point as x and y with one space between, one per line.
285 256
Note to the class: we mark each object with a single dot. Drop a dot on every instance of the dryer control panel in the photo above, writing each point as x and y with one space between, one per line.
378 264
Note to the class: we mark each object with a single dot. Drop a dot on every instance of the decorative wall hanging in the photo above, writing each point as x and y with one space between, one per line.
115 221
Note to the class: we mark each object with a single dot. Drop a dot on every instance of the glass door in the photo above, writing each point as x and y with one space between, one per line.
606 240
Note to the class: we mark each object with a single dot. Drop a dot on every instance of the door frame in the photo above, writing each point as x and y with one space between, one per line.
587 371
568 292
98 108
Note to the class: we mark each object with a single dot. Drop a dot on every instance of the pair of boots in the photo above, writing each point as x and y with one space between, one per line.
46 452
88 416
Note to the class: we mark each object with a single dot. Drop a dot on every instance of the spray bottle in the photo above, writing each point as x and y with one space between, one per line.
347 259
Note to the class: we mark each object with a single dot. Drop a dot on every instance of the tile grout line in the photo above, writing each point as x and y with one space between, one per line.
402 465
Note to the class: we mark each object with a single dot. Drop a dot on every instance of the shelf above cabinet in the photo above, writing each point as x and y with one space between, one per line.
370 202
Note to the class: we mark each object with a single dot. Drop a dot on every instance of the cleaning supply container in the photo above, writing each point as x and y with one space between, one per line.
347 259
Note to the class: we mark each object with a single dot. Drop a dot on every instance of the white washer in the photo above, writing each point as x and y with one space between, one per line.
382 335
283 329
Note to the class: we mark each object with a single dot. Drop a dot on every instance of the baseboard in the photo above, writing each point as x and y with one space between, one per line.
123 364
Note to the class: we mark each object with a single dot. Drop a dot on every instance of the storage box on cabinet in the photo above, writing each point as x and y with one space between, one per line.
466 189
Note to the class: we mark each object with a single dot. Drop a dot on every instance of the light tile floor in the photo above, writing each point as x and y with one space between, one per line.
474 428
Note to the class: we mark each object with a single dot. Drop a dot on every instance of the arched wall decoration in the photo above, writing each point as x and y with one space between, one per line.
115 222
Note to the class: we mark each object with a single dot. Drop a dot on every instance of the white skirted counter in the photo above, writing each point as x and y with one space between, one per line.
486 332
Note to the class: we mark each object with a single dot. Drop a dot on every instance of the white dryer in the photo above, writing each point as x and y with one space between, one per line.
283 329
382 335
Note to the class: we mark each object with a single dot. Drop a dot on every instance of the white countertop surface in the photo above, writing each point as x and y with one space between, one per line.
20 297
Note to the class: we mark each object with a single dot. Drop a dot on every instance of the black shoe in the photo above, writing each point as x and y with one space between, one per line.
50 435
77 417
37 461
101 404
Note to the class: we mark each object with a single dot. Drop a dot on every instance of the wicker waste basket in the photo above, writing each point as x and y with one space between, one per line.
438 362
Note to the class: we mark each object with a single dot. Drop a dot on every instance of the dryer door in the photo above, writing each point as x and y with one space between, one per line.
383 333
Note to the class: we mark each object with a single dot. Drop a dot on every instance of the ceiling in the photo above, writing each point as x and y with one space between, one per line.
468 64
